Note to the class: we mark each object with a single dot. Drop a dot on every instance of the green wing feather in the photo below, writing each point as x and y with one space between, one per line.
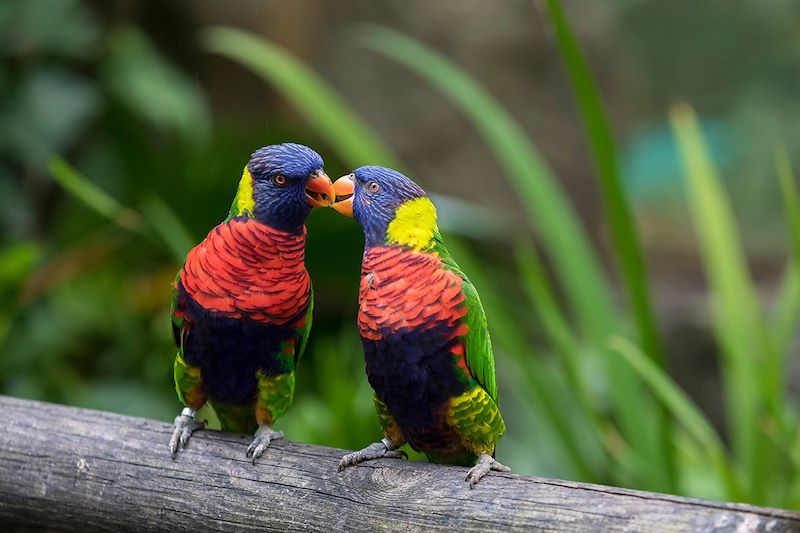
188 381
301 337
178 322
480 358
276 392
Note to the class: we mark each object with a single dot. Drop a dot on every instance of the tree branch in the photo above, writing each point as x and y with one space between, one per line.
76 470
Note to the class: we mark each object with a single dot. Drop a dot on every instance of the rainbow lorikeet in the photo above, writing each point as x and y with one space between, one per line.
426 344
242 304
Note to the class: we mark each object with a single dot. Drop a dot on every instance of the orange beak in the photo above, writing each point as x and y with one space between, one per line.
319 191
344 188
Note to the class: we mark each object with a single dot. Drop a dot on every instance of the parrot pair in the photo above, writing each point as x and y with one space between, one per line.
242 312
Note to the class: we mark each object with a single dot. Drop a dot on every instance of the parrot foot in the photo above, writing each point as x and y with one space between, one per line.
185 425
264 435
376 450
485 464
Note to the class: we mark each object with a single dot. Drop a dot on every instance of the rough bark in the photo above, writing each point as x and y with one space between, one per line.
63 468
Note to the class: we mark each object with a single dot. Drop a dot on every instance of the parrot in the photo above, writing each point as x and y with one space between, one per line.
424 332
242 303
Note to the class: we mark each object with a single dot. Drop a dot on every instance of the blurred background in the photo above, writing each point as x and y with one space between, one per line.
124 126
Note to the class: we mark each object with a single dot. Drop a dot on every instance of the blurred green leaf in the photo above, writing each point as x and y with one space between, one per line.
682 408
93 197
791 201
750 368
787 312
542 298
618 213
313 97
787 308
17 217
166 223
152 87
125 397
469 219
45 113
17 260
617 210
61 27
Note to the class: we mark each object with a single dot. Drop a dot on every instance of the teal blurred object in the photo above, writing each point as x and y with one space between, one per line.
652 165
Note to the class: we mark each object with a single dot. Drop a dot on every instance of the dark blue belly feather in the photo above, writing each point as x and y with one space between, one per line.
413 373
229 351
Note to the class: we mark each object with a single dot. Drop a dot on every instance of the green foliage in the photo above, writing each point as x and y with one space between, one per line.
601 142
92 196
759 414
791 200
39 95
618 212
45 104
684 411
63 27
787 309
145 82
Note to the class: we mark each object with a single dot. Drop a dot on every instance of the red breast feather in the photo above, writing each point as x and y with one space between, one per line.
401 289
246 269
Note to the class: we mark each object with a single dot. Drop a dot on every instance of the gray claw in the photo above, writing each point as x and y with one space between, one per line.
264 435
376 450
486 463
185 425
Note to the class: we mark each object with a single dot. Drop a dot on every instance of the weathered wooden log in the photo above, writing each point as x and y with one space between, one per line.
69 469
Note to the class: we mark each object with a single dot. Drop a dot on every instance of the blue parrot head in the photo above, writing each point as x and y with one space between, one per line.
280 185
387 205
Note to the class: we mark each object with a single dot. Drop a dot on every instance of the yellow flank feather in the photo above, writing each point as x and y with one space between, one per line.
275 394
244 195
414 224
469 397
188 383
191 371
388 424
476 418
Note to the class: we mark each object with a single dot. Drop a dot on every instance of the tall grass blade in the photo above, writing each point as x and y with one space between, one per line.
94 197
542 299
791 201
786 314
748 365
312 96
617 210
601 142
160 219
167 225
682 408
787 309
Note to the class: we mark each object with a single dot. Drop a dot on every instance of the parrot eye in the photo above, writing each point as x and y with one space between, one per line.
279 180
373 186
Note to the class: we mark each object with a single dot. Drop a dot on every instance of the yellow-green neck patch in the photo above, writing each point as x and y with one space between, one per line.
244 195
413 225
